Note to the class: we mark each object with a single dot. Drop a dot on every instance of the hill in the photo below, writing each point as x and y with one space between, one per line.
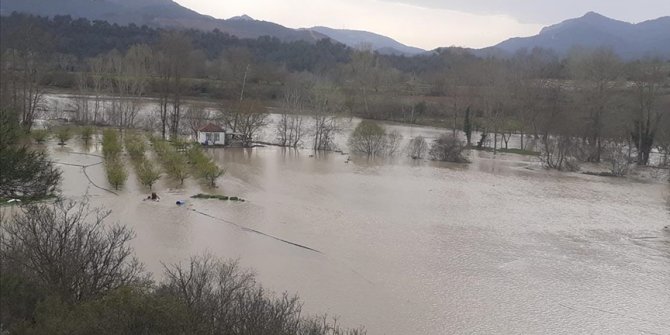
359 38
155 13
630 41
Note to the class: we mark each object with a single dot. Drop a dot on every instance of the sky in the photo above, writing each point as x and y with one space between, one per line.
429 24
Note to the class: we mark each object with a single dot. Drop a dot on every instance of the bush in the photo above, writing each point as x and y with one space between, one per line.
558 153
63 134
176 166
135 147
204 166
371 139
417 147
147 173
40 135
448 148
66 249
111 147
368 138
616 154
116 172
87 133
64 271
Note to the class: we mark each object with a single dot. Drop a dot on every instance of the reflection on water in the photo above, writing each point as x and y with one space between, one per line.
418 247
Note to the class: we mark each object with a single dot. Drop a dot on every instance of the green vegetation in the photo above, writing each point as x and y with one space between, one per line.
216 196
146 171
448 148
116 172
98 287
86 133
111 146
111 149
569 107
24 173
372 139
204 167
510 151
174 163
63 134
40 135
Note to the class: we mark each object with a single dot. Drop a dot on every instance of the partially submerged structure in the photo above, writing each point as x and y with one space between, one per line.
215 135
211 134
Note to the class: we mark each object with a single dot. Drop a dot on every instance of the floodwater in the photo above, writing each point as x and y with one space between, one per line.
498 246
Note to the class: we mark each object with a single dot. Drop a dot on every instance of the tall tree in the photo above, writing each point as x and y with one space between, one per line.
596 74
648 77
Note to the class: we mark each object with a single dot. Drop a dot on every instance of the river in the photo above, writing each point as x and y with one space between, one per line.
498 246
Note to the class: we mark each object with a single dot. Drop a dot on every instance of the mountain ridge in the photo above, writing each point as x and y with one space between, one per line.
649 38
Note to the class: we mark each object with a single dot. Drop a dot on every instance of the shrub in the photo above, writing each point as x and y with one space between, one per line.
448 148
87 133
616 154
204 166
368 138
417 147
558 153
40 135
176 166
63 134
111 147
116 172
135 147
147 173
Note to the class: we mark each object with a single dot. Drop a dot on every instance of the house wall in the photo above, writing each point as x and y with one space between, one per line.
202 138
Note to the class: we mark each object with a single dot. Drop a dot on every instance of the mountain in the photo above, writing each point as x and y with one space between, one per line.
629 41
359 38
156 13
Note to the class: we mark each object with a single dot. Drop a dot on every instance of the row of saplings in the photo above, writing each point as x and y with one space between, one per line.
178 160
371 139
181 160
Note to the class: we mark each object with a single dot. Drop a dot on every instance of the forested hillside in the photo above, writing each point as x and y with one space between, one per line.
590 96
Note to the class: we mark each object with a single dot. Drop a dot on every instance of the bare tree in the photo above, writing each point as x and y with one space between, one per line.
597 73
290 126
368 138
417 147
195 117
325 103
171 65
246 119
222 298
647 77
67 249
448 148
99 85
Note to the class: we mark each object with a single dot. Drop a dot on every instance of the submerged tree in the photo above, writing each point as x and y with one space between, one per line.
417 147
368 138
448 148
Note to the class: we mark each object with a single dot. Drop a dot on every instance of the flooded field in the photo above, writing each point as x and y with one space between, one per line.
497 246
416 247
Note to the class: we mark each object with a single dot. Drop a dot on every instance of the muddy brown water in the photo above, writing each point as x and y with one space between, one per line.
499 246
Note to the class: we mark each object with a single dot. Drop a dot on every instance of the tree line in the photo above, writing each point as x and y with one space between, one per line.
582 107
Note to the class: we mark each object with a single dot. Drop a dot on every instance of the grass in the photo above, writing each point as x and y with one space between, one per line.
508 151
216 196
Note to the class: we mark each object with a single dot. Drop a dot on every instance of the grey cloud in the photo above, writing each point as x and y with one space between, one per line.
553 11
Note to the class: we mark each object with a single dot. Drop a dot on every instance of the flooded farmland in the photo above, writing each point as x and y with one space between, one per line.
416 247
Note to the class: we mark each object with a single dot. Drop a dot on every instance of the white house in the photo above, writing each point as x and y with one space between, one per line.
211 134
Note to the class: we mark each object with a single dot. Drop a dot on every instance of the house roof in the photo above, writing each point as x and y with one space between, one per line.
211 128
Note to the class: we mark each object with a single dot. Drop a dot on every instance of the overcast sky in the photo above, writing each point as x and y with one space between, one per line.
432 23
